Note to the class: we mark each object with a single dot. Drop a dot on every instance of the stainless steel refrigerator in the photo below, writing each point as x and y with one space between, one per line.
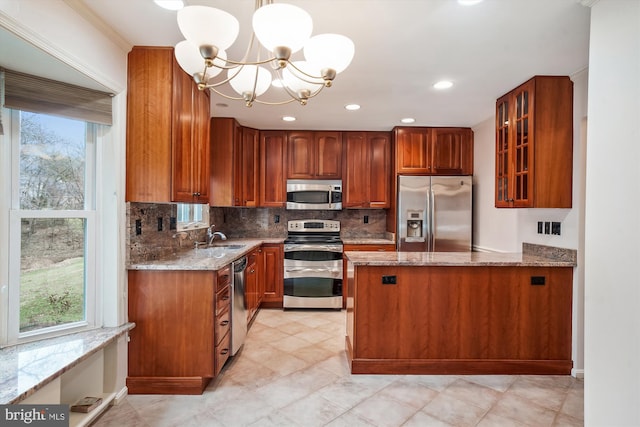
434 213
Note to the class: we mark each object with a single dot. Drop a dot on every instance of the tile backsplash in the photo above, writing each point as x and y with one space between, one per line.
146 242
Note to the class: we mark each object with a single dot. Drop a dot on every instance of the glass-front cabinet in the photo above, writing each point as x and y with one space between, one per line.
534 144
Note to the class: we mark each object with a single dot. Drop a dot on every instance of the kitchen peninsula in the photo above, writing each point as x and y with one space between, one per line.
460 313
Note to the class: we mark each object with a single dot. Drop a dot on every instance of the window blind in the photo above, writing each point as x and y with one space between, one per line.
39 95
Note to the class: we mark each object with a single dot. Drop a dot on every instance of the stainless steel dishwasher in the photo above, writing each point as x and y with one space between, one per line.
238 305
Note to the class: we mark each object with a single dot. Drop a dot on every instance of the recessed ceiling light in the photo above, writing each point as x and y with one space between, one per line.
443 84
469 2
170 4
289 119
408 120
352 107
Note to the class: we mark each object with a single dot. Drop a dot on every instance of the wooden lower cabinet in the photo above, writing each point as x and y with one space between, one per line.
272 275
181 338
459 320
253 296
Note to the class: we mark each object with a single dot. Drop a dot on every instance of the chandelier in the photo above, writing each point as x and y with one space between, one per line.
281 29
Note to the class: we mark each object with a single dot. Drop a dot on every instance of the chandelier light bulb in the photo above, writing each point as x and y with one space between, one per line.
333 51
203 25
242 79
280 24
190 60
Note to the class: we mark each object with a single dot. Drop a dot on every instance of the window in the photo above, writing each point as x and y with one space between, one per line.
52 225
191 216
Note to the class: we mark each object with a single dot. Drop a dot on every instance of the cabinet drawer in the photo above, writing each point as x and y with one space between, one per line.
222 326
222 353
223 300
223 278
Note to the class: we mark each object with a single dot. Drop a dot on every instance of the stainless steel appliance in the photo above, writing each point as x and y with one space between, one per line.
238 305
434 213
313 264
322 194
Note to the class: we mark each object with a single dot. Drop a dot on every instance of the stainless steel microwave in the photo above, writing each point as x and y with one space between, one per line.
322 194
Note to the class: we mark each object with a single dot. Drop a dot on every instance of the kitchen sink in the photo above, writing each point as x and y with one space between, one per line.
218 250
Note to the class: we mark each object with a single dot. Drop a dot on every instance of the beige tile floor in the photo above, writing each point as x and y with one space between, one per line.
293 371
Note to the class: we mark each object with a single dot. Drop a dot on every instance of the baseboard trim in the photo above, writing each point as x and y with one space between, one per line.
577 373
121 395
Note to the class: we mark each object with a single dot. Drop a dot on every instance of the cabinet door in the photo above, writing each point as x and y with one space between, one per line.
190 147
412 151
201 144
225 141
503 194
273 274
300 146
165 306
251 286
149 121
328 155
273 182
451 151
379 169
356 177
247 169
522 145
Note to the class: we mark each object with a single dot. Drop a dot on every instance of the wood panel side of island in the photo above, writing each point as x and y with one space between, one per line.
459 320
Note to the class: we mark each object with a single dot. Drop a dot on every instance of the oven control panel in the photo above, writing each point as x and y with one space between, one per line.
313 225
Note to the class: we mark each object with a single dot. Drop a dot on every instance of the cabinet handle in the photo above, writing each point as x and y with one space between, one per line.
224 351
252 271
196 194
224 323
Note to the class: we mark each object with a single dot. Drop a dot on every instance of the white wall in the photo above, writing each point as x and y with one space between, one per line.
612 218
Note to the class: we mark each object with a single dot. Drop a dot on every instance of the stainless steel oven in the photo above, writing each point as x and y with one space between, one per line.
313 264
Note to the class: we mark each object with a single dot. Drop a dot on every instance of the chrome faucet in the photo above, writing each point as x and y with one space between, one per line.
212 235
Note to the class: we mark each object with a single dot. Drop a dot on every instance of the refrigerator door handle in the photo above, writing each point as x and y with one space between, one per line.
432 220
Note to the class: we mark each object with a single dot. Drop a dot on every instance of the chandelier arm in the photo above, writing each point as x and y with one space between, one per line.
224 95
306 74
288 101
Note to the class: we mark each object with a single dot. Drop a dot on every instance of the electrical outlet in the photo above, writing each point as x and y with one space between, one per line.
366 219
388 280
138 227
555 228
173 223
159 223
539 227
276 219
547 227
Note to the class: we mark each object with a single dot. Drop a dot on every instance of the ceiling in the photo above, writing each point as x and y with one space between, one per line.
402 47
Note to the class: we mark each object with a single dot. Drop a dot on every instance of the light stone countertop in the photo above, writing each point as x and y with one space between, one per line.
366 241
205 258
454 259
26 368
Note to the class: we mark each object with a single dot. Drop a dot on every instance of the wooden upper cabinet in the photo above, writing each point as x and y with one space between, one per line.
167 130
247 170
234 163
273 170
434 151
534 144
412 150
452 151
313 155
367 169
190 146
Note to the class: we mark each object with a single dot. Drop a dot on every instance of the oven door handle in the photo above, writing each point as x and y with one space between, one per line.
302 247
310 272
